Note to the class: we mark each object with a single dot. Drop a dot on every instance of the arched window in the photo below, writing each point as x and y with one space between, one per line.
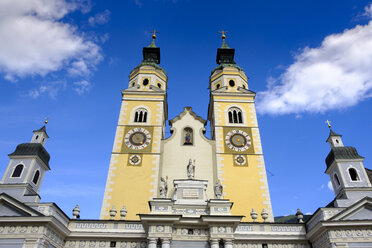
235 115
140 115
336 180
353 174
36 177
188 136
18 170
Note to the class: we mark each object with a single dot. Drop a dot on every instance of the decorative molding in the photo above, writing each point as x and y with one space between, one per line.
188 211
283 228
244 228
351 233
90 225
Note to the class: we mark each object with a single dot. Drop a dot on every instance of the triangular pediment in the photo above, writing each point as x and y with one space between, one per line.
12 207
361 210
187 111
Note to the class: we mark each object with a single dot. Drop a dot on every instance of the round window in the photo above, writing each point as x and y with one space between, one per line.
232 83
145 82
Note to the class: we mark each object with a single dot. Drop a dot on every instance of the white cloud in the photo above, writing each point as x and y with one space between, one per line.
105 37
100 18
35 40
330 187
335 75
138 3
82 87
51 89
368 11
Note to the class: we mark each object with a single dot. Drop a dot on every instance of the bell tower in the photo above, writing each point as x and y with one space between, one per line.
133 172
345 168
239 158
26 169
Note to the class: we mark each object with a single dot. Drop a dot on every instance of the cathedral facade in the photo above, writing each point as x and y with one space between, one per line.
185 190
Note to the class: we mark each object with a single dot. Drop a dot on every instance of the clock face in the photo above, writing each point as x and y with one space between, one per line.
238 140
137 138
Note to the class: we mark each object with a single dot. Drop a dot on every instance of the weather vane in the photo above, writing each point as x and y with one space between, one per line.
154 32
223 32
329 124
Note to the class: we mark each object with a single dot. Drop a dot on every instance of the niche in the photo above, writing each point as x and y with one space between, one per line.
187 136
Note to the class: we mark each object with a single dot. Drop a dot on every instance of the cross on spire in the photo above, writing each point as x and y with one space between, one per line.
154 32
223 32
329 124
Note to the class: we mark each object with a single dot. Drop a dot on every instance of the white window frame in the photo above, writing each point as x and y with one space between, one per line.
37 178
133 113
333 179
20 176
357 171
227 116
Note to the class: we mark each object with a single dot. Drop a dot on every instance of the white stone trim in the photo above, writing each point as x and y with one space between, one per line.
109 182
123 113
265 187
155 176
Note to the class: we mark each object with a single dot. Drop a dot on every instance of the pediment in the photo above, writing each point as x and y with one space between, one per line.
361 210
188 111
12 207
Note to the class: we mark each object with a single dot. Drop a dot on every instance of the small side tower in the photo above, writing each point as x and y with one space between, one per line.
26 169
345 168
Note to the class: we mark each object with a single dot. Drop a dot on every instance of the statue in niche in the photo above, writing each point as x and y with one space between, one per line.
218 189
191 170
187 136
163 188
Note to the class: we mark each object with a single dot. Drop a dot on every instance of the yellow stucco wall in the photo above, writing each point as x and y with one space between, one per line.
134 186
246 186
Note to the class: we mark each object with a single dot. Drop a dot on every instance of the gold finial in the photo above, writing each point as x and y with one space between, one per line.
329 124
223 32
46 120
154 32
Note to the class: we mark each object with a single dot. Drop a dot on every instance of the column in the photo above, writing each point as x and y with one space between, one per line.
214 243
165 243
151 243
228 243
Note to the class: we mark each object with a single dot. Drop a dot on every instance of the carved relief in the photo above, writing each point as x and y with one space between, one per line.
160 228
244 228
34 229
90 225
221 229
351 233
282 228
103 243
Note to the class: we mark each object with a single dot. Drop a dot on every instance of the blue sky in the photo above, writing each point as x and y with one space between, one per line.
309 61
